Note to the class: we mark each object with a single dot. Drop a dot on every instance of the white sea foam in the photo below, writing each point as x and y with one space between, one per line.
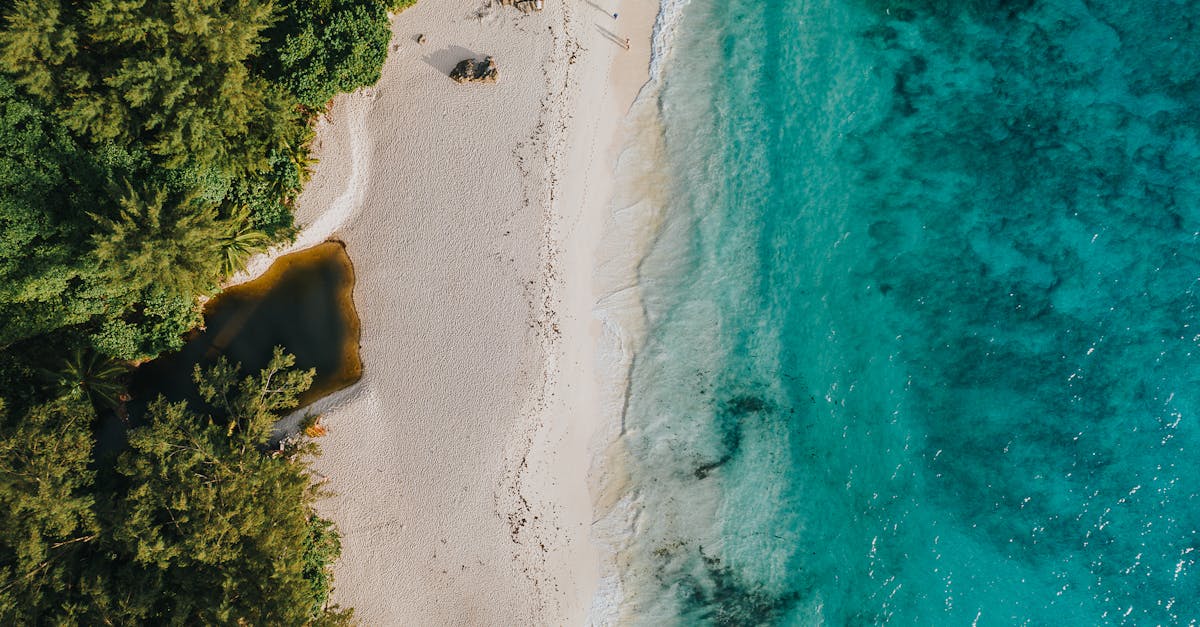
628 235
631 231
670 14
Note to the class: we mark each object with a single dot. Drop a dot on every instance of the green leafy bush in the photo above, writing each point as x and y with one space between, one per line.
269 195
156 326
396 6
322 546
324 47
44 267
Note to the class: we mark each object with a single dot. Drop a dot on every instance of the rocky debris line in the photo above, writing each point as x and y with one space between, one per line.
472 71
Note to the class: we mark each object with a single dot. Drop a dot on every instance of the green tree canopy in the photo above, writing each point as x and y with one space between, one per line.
210 519
171 75
92 377
197 523
45 270
329 46
38 42
46 509
160 240
239 241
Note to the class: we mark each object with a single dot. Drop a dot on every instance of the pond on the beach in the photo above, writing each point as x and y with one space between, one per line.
303 303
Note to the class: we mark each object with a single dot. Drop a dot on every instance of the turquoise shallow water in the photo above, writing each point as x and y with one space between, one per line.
923 324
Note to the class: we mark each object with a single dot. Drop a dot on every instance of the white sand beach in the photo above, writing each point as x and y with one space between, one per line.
459 463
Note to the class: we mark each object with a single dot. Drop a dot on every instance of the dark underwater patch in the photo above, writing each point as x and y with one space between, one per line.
722 597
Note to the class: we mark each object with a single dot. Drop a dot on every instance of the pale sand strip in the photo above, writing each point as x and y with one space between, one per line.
472 213
605 80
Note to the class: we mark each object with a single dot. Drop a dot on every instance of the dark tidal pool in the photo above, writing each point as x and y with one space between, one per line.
303 303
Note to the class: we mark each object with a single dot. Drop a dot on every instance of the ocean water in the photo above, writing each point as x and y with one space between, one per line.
922 328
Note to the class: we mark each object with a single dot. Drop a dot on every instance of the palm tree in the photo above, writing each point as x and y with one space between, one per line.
94 376
297 147
240 241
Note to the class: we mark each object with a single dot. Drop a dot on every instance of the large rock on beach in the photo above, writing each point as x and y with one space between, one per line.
472 71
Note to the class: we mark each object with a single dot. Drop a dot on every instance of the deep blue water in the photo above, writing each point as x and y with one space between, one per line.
924 336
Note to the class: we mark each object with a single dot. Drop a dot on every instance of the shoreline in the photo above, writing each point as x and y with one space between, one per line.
591 388
473 215
633 224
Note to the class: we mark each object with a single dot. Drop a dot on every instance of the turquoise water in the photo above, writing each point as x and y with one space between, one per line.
923 324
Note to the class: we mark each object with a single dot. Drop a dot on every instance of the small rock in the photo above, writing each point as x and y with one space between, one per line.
472 71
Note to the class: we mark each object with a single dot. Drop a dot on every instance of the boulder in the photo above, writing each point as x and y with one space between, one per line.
472 71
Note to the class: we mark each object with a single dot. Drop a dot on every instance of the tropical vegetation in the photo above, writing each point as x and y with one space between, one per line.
197 521
148 149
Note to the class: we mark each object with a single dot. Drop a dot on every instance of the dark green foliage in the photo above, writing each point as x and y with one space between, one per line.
155 255
198 524
156 239
59 267
240 241
170 75
207 184
322 546
268 196
147 150
396 6
329 46
37 41
46 509
157 324
163 120
219 523
46 276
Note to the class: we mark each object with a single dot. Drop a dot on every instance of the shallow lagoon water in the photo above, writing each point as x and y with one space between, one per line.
923 318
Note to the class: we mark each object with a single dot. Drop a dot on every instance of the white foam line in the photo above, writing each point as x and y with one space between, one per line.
631 231
670 13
